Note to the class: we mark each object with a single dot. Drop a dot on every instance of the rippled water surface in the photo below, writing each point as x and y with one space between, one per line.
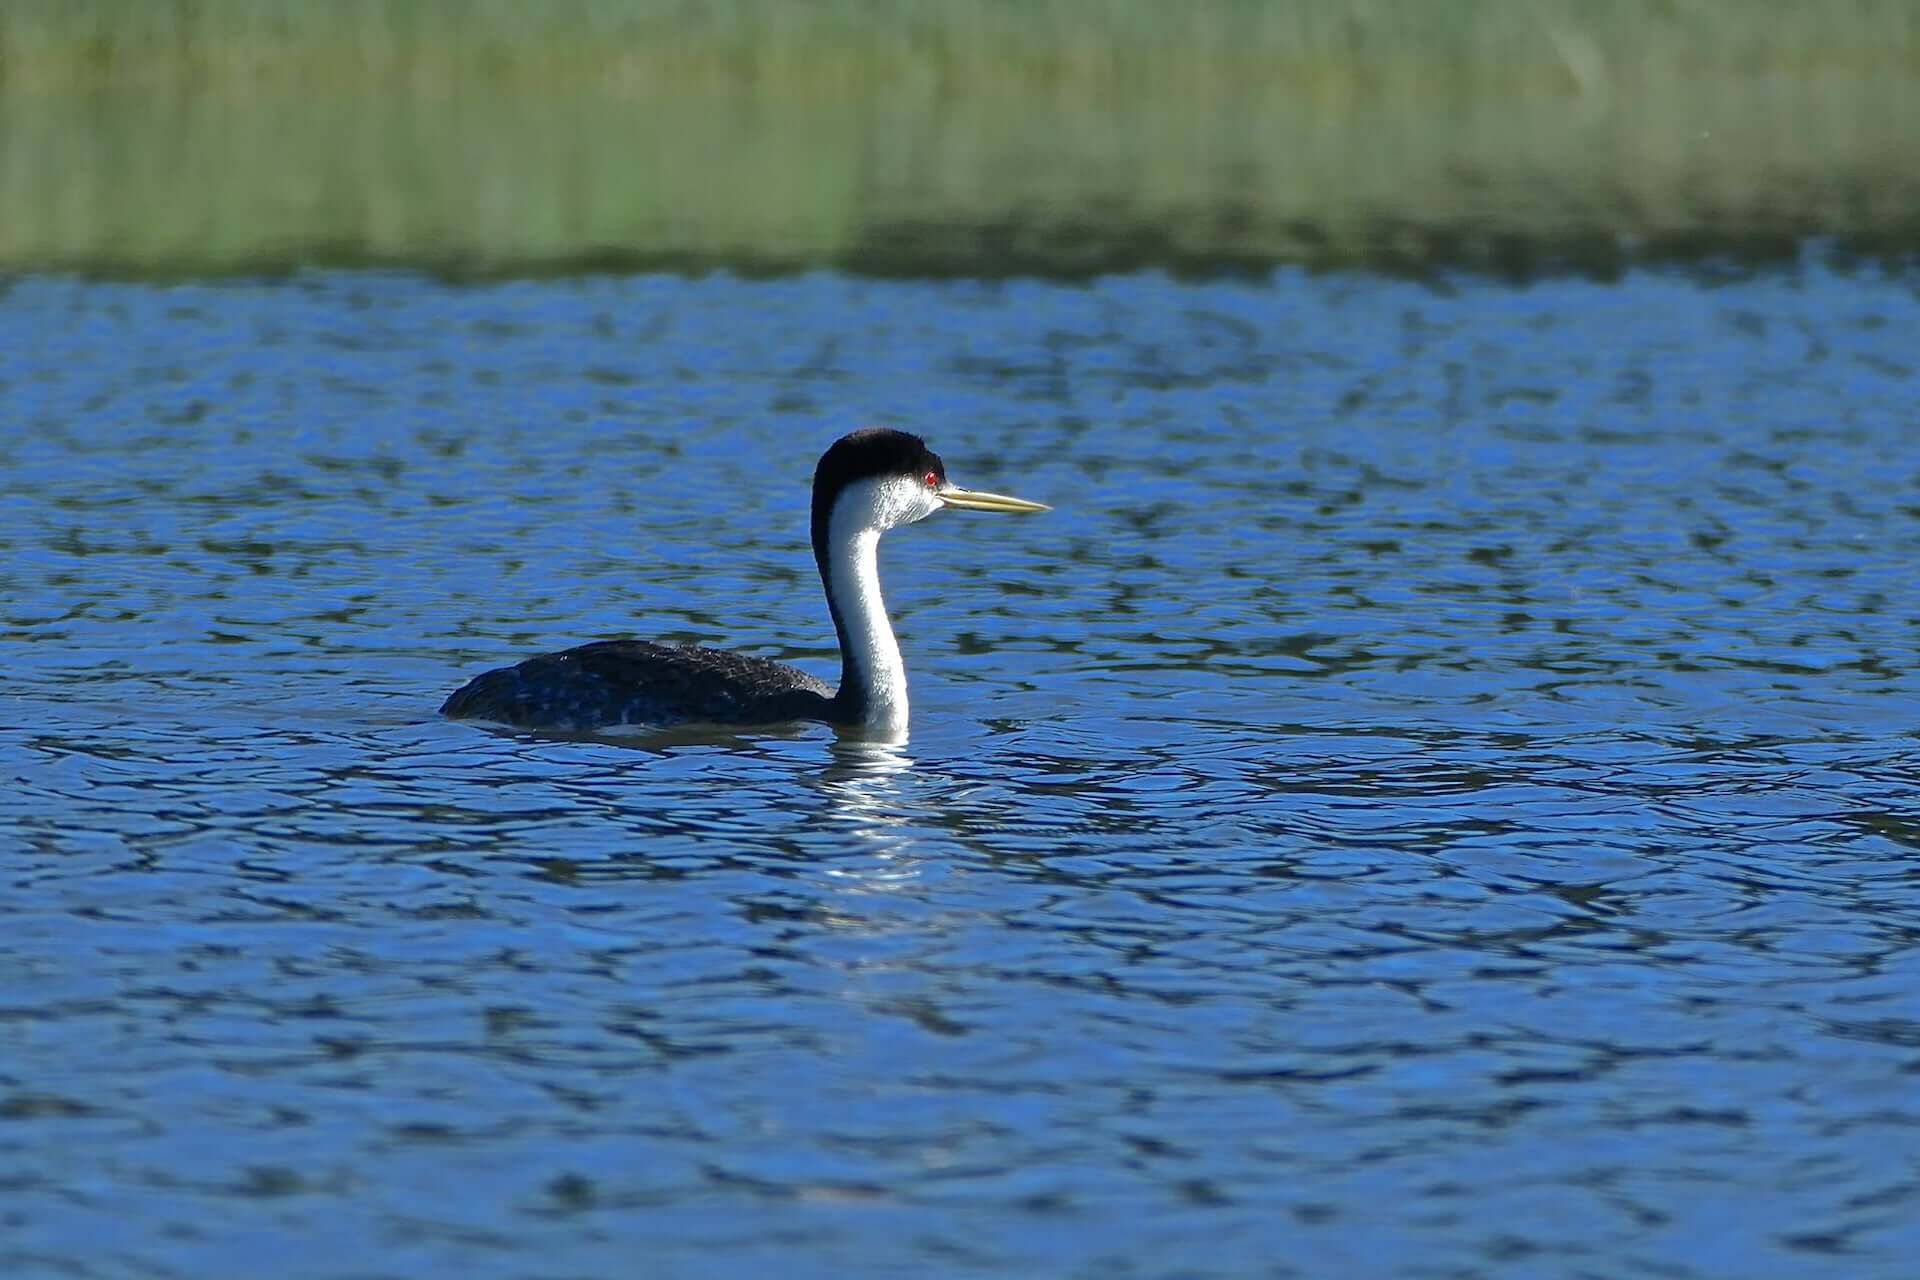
1436 798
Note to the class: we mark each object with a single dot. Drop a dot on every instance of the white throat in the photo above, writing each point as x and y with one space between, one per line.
873 655
871 662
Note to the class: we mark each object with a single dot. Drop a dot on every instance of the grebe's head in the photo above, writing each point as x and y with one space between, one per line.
884 478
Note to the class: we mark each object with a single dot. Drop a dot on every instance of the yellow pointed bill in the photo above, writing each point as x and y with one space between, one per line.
974 500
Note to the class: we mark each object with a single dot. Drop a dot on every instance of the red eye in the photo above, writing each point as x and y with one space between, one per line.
933 481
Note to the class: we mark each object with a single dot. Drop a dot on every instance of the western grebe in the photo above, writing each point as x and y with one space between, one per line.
866 483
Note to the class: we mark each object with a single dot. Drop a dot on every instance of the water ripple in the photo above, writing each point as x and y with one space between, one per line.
1436 796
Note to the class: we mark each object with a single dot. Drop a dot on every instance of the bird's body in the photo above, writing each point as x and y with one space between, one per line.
868 482
637 682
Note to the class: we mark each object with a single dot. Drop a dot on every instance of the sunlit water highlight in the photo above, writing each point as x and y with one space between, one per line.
1437 796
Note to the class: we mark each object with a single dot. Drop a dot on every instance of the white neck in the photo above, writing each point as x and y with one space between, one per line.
871 660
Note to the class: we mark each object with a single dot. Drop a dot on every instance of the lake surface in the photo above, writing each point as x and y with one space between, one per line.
1439 796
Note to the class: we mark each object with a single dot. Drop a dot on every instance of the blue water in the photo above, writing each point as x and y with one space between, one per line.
1438 797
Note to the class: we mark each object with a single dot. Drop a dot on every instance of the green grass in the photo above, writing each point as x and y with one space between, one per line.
1081 45
188 136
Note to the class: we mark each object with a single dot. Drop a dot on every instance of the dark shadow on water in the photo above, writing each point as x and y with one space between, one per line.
1070 251
855 749
652 740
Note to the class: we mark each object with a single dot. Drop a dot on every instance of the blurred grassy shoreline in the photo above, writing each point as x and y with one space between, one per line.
1050 137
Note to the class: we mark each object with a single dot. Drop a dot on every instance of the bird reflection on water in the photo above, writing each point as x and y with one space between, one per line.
864 783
